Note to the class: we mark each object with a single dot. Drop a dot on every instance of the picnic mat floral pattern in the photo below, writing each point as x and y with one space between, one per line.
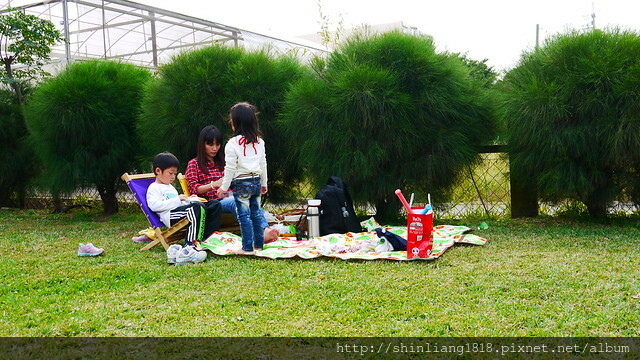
344 246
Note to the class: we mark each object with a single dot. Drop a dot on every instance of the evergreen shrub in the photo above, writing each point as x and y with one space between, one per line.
385 112
198 88
572 113
82 126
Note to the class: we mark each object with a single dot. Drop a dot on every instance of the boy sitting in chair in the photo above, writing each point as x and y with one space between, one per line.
171 207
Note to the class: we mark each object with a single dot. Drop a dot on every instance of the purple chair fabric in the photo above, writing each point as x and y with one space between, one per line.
139 189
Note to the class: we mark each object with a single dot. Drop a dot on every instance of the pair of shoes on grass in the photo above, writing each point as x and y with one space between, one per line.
188 254
89 250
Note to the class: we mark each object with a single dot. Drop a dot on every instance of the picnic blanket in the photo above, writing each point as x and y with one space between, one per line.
344 246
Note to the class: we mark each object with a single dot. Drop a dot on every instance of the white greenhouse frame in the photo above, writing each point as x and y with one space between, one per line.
141 34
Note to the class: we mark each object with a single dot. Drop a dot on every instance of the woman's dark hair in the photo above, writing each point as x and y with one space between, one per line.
244 118
165 160
208 136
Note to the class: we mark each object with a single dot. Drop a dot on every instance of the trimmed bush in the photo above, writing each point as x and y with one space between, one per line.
572 109
198 88
389 112
83 126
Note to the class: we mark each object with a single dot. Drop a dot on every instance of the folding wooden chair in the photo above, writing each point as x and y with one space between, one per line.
138 184
228 222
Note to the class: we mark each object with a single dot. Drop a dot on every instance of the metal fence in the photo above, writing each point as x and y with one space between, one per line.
483 192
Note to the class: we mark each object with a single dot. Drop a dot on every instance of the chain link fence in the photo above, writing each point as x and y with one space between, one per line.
483 192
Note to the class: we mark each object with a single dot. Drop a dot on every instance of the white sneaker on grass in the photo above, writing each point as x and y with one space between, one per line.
172 252
189 254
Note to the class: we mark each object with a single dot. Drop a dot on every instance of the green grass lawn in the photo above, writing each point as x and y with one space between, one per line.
542 277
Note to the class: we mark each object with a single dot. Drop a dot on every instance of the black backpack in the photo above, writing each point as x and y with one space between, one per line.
336 210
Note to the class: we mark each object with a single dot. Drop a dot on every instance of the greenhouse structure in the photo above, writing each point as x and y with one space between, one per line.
140 34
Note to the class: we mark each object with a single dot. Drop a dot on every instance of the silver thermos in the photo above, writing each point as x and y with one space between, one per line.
313 218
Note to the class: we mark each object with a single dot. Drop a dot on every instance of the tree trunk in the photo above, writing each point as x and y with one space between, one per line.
388 210
597 204
57 202
5 196
109 199
524 194
524 200
14 84
22 195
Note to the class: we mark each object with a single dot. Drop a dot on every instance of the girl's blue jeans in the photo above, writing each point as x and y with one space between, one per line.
229 206
246 193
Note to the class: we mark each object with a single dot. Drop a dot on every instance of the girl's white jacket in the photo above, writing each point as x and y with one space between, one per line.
244 160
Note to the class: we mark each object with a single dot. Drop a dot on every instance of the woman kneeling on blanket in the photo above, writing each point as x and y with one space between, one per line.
205 172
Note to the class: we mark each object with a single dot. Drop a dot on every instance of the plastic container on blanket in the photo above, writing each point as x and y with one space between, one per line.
419 234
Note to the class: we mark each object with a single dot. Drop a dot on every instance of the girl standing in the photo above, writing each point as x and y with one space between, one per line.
205 171
245 172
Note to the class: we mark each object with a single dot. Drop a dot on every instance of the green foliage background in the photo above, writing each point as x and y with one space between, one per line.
382 112
17 163
82 126
199 87
386 112
572 111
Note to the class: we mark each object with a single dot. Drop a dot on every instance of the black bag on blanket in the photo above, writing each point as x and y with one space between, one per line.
336 209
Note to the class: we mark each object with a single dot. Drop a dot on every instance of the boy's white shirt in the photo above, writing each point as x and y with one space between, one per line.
244 160
163 198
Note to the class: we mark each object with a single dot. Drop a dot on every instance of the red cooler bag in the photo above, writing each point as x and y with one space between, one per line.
420 234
